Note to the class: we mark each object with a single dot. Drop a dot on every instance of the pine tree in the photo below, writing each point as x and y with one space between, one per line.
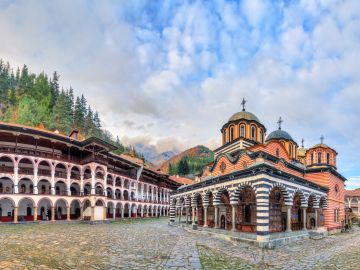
79 115
54 87
62 117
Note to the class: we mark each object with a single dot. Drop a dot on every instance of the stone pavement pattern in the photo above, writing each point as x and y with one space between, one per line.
152 244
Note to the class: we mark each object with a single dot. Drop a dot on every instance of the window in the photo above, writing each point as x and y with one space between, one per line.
312 158
327 158
261 136
336 215
319 157
224 137
290 150
277 152
231 133
336 189
253 133
242 131
247 214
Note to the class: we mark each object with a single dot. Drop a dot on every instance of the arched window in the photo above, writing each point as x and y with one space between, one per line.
231 133
290 150
242 131
335 215
253 133
312 158
261 136
224 137
319 157
22 189
327 158
277 152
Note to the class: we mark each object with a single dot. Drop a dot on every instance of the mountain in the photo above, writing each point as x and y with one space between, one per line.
151 155
190 162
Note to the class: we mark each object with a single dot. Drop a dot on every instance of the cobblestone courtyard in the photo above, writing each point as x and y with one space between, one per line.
152 244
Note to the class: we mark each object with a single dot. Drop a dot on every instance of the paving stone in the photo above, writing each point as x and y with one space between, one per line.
152 244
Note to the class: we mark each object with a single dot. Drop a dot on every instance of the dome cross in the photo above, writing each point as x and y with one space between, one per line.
322 139
280 121
302 142
243 102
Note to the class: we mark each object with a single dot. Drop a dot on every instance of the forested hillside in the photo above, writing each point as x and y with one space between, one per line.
37 99
188 163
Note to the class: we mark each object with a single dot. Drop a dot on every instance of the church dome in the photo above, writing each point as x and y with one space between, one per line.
278 135
323 145
244 115
302 151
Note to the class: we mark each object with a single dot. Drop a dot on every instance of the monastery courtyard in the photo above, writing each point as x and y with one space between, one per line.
151 244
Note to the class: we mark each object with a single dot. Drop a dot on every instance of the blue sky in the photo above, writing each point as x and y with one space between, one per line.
170 73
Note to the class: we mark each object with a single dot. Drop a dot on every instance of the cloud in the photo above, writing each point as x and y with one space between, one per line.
171 74
353 183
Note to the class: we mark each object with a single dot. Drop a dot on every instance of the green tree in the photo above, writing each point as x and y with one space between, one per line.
62 117
183 166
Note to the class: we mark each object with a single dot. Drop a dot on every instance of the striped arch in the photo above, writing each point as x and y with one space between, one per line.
218 194
323 202
303 199
194 198
234 197
287 198
206 197
313 200
187 201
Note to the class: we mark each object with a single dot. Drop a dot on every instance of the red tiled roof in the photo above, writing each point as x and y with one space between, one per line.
181 180
353 193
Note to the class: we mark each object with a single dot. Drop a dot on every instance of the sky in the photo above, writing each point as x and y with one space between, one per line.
169 74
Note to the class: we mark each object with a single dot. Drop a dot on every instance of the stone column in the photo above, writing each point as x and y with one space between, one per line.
122 212
16 211
68 213
316 218
216 216
36 181
262 217
93 175
52 213
104 213
304 218
16 178
35 213
52 181
114 213
288 218
205 216
233 217
92 217
81 213
187 214
193 216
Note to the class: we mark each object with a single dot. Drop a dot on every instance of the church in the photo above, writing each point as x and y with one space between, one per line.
264 188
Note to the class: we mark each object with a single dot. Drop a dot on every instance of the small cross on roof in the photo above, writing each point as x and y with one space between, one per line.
322 139
280 121
302 142
243 103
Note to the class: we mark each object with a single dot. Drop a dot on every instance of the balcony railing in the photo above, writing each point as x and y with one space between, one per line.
31 152
6 169
6 191
60 175
26 171
44 173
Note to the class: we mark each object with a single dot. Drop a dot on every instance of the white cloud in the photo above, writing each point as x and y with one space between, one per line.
171 77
